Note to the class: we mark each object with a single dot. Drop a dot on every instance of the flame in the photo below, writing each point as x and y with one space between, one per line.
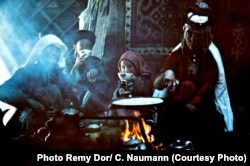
132 131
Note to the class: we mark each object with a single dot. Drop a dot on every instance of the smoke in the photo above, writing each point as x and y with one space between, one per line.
23 22
16 41
8 63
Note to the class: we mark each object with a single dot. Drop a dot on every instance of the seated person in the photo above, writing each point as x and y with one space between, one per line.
39 89
90 84
190 75
139 83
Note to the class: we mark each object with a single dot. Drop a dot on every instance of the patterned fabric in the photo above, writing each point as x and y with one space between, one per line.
151 26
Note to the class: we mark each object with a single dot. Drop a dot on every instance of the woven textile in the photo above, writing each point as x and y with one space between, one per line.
150 26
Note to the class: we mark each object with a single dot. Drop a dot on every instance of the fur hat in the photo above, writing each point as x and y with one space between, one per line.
85 34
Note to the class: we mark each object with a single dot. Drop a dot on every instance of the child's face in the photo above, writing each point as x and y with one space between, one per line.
82 49
127 67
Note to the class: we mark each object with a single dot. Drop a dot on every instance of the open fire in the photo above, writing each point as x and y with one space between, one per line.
132 131
105 133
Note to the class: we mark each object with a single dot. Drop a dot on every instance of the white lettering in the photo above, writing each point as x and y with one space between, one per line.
118 157
179 157
131 157
98 157
224 157
44 157
70 157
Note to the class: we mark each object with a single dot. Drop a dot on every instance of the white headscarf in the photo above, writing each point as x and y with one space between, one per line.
41 44
222 99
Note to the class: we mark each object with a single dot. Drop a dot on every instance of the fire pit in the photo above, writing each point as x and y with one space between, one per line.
131 132
127 132
115 133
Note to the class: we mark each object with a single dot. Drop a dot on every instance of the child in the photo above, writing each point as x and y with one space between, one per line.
140 83
89 80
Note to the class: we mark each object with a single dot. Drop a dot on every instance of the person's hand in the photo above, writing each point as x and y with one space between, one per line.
129 82
83 54
81 57
92 75
35 104
191 107
122 91
78 62
170 81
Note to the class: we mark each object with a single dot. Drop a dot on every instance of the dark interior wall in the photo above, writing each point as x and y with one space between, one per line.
231 36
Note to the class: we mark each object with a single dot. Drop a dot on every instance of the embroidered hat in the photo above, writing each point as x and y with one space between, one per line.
200 13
